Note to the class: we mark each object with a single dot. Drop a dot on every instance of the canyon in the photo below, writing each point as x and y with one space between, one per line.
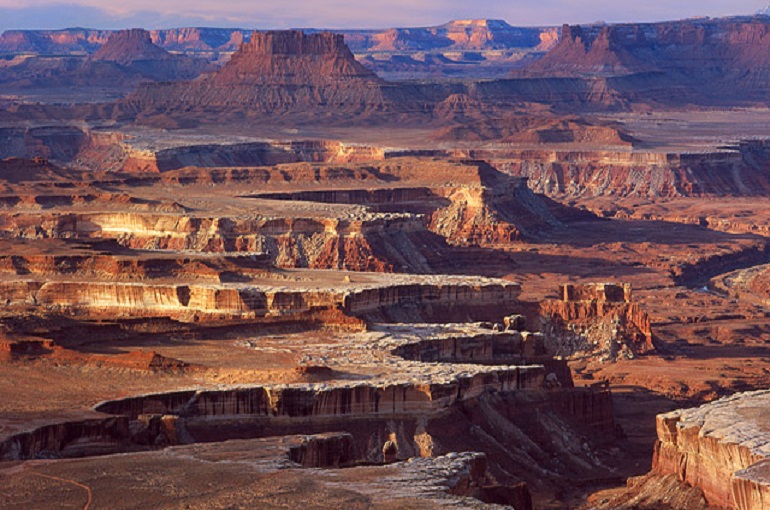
469 265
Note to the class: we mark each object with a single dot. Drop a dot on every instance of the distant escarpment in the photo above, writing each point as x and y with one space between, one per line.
470 48
130 46
711 61
457 35
127 57
737 170
538 130
467 34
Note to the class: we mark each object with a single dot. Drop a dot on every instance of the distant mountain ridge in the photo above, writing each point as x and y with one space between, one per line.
125 59
472 48
478 34
459 35
699 59
88 41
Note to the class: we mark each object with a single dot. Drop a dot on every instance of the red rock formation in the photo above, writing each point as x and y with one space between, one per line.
135 53
366 243
291 58
324 450
91 436
498 211
482 301
591 51
238 155
277 72
599 319
541 130
14 349
596 292
736 170
484 208
722 60
466 297
721 448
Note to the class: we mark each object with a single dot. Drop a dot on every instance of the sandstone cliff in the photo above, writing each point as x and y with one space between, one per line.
721 447
479 205
427 296
499 211
738 169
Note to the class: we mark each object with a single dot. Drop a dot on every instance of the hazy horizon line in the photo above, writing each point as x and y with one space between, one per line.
349 15
365 28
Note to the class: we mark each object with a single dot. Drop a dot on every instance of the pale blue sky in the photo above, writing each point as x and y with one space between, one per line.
348 13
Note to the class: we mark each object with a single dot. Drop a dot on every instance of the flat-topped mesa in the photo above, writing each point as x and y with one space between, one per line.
295 42
480 34
292 57
128 46
276 73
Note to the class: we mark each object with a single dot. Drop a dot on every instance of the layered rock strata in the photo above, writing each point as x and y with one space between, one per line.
244 301
246 412
496 209
324 450
97 435
492 348
360 240
721 447
733 170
